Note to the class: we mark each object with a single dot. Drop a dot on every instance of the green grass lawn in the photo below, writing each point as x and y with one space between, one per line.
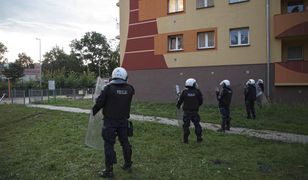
44 144
280 117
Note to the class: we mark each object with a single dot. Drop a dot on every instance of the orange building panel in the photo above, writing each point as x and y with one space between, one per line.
287 77
152 9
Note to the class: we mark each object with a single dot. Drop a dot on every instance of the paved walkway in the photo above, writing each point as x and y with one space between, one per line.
264 134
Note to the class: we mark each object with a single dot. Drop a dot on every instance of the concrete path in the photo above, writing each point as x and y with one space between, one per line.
264 134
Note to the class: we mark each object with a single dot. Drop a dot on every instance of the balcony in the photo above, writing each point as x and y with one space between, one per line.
291 73
291 24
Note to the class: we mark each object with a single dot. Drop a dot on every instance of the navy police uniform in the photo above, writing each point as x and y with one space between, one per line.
115 100
250 98
224 100
191 98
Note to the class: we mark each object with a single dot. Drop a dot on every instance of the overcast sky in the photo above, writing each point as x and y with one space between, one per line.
55 22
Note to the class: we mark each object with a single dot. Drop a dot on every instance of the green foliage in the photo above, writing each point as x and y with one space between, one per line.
87 79
14 72
80 68
94 50
43 144
3 84
26 85
24 60
72 80
3 50
57 61
114 60
75 70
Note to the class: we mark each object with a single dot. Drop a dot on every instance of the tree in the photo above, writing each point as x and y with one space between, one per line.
114 60
57 60
87 79
71 81
94 50
25 61
3 50
14 72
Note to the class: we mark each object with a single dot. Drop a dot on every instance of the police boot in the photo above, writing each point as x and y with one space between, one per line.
107 173
199 139
228 124
127 166
228 127
185 140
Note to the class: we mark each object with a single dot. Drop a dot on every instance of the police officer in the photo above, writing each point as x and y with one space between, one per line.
191 98
115 100
261 84
250 98
260 92
224 99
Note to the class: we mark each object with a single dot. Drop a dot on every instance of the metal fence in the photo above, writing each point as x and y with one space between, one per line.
32 96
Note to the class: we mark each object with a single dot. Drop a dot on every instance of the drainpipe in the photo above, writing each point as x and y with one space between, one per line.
268 48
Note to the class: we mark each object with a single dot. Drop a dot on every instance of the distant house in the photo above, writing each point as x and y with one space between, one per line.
32 74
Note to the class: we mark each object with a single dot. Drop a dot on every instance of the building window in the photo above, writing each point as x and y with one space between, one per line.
205 3
175 43
236 1
206 40
175 6
295 6
239 37
295 53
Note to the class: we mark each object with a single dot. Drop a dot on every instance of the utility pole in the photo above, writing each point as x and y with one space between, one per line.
268 49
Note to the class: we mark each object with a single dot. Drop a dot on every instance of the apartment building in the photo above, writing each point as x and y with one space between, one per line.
164 42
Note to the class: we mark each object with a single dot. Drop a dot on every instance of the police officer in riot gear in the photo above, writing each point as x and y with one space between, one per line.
261 84
250 98
224 100
115 100
191 98
259 92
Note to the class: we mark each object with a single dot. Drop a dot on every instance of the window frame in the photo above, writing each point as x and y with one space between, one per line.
237 1
300 10
177 11
177 42
296 59
239 43
203 6
206 40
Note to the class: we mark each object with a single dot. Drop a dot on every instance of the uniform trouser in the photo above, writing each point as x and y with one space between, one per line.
225 117
250 109
259 100
195 118
110 131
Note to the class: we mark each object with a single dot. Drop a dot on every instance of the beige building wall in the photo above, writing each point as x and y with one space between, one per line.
223 16
275 8
124 23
